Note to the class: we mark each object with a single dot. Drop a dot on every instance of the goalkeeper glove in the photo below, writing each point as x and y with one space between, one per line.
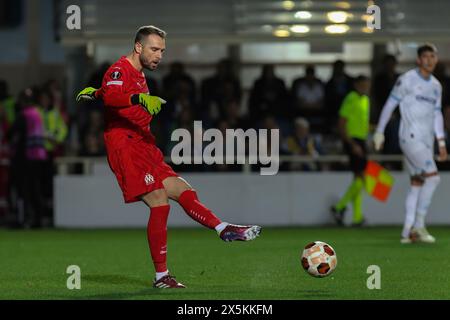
378 140
151 103
87 94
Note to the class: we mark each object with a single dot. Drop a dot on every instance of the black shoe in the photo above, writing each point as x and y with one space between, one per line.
338 215
360 224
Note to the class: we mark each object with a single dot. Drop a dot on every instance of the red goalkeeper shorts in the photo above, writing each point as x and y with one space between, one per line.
139 168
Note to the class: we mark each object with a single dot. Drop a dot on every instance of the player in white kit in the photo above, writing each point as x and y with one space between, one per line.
418 93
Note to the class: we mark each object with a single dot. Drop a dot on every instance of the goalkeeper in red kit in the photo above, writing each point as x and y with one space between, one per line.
137 162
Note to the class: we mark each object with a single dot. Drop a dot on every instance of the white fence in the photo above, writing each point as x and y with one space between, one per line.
286 199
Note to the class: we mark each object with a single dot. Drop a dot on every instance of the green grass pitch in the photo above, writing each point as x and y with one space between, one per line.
115 264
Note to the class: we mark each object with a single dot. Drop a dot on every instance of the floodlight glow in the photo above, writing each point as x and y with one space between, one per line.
300 29
337 28
337 16
303 15
282 33
288 5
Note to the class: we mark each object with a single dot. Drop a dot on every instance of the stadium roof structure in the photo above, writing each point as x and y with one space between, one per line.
238 21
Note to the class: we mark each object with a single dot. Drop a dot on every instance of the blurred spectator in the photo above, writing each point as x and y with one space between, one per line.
96 78
269 122
7 107
153 86
178 83
336 89
57 96
173 115
301 142
179 92
308 93
92 135
268 95
95 81
233 116
55 133
27 163
383 83
223 125
54 122
217 90
185 120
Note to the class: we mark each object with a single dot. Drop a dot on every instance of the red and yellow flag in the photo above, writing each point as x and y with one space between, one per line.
378 181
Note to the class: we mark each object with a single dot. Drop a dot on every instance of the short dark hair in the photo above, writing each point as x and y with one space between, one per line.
339 63
310 69
428 47
145 31
361 78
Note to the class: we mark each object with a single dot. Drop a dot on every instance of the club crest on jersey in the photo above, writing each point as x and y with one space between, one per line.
149 179
116 75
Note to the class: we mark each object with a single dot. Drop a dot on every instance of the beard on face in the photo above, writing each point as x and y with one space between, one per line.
146 63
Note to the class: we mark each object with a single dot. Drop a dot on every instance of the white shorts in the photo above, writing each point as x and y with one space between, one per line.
419 156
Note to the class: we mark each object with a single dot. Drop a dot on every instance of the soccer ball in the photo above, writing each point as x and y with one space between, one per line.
319 259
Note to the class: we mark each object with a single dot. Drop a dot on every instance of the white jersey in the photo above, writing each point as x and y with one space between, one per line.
419 99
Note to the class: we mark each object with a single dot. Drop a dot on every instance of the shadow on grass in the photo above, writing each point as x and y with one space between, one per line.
115 279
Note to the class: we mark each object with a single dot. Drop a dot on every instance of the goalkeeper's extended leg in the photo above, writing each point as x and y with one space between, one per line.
181 191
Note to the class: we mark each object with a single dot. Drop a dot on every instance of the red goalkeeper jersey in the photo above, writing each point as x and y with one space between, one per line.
124 121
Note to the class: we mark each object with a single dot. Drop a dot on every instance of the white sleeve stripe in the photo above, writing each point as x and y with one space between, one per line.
395 97
119 83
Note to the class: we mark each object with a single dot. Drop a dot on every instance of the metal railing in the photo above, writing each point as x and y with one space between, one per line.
86 164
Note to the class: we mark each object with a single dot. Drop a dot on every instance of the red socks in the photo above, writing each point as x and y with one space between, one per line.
157 236
157 225
196 210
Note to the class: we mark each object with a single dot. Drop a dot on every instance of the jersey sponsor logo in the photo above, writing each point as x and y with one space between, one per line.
149 179
119 83
425 99
115 75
